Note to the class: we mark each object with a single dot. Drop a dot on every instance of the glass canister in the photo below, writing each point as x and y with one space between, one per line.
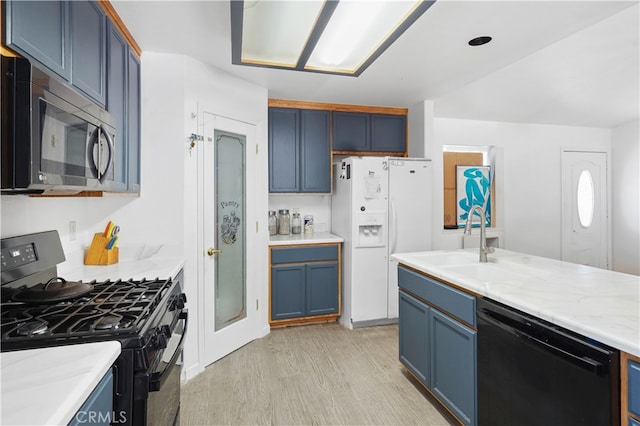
296 223
284 222
273 223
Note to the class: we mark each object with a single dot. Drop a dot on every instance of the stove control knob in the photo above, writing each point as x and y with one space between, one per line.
178 302
166 331
162 341
159 340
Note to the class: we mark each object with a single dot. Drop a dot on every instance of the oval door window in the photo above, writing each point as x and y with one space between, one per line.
586 198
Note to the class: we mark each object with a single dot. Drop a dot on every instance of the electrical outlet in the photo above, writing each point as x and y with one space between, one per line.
72 230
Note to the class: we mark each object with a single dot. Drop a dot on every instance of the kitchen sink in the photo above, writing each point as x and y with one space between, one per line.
486 272
446 258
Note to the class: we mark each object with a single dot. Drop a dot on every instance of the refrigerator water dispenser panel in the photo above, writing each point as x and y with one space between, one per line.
371 230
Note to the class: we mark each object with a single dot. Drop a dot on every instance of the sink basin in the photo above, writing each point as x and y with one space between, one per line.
443 258
485 272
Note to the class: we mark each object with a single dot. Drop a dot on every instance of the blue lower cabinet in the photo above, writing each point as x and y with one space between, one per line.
98 408
453 366
413 333
633 374
437 342
304 282
322 288
287 292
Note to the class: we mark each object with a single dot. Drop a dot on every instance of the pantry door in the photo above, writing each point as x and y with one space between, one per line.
230 238
585 237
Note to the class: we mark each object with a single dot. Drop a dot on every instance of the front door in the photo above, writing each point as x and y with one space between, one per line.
584 208
230 290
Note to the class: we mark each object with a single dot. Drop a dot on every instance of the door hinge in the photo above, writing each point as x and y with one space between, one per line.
256 149
257 305
257 228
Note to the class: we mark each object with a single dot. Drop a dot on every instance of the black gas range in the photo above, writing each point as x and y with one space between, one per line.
148 318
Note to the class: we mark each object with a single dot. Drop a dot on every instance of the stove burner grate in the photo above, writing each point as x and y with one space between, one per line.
112 308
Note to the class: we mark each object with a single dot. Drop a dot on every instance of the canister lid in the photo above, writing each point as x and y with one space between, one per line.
283 211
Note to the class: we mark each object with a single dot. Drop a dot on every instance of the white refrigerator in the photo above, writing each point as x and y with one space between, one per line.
380 206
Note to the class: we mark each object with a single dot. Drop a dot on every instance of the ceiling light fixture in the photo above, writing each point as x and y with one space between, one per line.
479 41
332 36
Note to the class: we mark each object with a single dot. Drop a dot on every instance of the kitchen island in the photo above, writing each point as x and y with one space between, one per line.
440 335
597 303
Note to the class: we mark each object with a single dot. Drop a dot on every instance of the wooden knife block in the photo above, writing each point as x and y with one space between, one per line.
98 253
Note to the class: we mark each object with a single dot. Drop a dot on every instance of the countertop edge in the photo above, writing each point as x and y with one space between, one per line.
64 393
305 239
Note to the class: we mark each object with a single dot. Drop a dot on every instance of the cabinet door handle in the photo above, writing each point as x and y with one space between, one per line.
110 145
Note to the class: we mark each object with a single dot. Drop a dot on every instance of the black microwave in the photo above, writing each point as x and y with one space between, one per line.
53 138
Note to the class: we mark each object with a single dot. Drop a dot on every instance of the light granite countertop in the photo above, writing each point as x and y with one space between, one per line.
48 386
312 238
597 303
136 263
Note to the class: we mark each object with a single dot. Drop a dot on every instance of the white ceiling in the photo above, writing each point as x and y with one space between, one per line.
554 62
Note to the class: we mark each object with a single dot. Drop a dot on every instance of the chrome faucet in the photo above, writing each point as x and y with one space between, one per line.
484 250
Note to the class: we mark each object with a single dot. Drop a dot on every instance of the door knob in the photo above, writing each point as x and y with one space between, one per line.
213 251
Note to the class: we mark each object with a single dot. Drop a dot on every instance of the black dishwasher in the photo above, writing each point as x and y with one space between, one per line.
532 372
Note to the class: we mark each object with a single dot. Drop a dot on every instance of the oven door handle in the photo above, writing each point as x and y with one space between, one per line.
158 378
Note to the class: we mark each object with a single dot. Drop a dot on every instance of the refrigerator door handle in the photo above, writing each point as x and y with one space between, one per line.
393 229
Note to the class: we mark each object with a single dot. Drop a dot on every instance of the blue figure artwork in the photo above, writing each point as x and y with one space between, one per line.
477 191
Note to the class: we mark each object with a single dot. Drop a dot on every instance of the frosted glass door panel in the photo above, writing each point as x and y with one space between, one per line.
230 284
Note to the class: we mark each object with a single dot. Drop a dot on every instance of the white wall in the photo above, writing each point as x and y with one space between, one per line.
319 206
173 87
625 197
420 124
527 180
208 89
153 218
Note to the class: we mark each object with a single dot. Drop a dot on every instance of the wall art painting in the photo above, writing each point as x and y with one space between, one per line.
473 188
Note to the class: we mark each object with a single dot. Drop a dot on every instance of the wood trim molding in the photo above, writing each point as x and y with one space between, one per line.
111 13
63 194
624 388
284 103
371 153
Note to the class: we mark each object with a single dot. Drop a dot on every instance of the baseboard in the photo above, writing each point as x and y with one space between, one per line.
373 323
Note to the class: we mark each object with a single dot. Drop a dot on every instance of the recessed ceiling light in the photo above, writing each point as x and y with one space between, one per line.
479 41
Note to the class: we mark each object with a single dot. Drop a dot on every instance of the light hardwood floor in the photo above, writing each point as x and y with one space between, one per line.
311 375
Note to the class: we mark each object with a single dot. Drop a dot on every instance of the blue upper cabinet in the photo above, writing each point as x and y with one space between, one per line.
351 131
117 95
40 30
364 132
299 150
88 49
66 37
284 150
123 103
388 133
315 151
133 122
